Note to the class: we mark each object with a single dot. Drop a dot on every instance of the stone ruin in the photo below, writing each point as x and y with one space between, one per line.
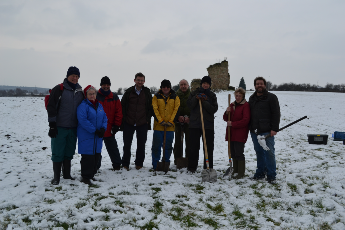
219 74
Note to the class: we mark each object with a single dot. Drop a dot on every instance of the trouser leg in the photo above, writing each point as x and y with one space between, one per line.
209 134
177 146
98 158
270 159
260 156
87 164
168 145
186 138
157 142
128 133
113 151
194 147
141 132
71 143
58 145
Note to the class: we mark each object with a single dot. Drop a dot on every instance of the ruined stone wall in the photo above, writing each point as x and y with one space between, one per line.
220 76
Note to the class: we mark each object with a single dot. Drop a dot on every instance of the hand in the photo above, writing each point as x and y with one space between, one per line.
53 132
186 120
181 119
169 124
163 123
100 132
115 129
201 96
273 133
228 123
228 109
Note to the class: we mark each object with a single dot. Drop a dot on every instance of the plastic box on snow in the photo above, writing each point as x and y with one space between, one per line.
317 139
339 136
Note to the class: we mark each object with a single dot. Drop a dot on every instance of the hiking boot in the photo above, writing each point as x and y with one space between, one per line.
116 168
272 181
57 172
94 179
66 170
191 171
166 167
241 169
257 178
138 167
86 181
126 168
235 166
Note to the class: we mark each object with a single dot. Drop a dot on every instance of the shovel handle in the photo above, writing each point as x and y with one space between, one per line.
288 125
229 149
203 135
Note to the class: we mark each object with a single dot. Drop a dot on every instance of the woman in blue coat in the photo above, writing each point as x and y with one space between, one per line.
92 123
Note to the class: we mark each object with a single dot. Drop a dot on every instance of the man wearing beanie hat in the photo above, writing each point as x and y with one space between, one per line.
209 108
62 118
137 112
113 109
165 105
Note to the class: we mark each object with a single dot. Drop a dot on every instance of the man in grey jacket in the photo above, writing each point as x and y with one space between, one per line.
62 117
264 119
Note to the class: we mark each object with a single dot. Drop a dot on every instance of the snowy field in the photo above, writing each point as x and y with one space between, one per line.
309 194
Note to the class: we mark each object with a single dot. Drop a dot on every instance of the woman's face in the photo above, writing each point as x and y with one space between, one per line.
238 97
91 95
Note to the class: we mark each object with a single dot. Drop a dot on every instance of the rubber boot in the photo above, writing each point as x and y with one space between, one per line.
66 170
241 169
235 166
57 172
166 167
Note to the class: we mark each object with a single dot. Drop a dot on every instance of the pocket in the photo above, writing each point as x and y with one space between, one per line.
264 125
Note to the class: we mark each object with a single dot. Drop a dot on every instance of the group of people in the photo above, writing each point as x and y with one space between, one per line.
93 116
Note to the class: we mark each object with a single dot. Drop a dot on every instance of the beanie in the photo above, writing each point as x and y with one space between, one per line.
165 83
206 79
87 88
105 81
73 70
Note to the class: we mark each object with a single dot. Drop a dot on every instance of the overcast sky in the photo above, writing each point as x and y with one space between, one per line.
283 41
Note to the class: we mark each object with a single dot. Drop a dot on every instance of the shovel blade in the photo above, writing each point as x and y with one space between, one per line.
228 172
209 175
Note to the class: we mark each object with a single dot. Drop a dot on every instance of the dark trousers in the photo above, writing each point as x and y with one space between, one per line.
128 132
194 147
113 150
237 150
89 164
178 151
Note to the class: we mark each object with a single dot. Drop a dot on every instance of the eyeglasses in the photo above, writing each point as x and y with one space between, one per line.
139 80
91 94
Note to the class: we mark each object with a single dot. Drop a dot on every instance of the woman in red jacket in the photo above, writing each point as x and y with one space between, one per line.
239 128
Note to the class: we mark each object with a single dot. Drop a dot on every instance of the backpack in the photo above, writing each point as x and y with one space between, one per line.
46 99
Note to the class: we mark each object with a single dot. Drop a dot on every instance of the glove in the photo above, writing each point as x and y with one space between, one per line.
52 130
163 123
115 129
100 132
168 124
201 96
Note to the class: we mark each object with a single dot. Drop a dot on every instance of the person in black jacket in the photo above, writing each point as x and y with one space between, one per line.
264 119
63 122
209 108
137 112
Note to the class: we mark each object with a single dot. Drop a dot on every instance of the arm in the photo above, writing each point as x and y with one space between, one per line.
245 118
192 101
275 113
211 105
53 103
173 117
118 113
82 118
155 109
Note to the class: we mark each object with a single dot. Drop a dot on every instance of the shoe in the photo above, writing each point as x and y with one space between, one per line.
94 179
191 171
125 167
86 181
57 172
166 167
138 167
66 170
257 178
116 168
272 181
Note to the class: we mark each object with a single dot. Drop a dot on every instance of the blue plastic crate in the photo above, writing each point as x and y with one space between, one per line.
339 136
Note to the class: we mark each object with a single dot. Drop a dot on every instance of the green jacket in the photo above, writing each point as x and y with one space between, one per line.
184 109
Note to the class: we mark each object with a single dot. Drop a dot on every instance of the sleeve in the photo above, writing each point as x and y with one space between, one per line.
118 113
225 116
245 118
275 112
211 105
82 118
192 101
155 109
53 103
176 110
105 121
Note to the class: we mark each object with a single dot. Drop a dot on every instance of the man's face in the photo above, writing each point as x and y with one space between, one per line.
260 86
73 78
205 85
139 81
184 86
165 90
105 87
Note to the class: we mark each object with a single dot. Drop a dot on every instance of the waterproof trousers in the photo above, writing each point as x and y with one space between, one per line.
89 164
157 144
194 145
64 144
237 150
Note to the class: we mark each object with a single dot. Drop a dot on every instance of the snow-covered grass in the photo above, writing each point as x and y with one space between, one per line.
309 194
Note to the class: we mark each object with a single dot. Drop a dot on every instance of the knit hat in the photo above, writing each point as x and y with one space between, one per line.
105 81
73 70
165 83
87 88
206 79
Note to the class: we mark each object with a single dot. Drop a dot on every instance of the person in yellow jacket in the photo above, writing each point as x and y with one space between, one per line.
165 105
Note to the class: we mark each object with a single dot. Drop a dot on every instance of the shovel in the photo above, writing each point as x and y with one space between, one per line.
208 175
262 138
181 162
161 165
230 169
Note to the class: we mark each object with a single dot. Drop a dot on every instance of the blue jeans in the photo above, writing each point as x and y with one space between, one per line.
266 160
157 143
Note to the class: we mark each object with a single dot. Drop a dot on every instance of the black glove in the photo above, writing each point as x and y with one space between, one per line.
100 132
52 130
115 129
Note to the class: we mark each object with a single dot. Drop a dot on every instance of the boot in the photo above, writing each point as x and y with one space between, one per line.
241 169
66 170
166 167
235 166
57 171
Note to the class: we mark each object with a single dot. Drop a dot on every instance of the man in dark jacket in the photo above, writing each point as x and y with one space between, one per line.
62 118
113 109
137 111
209 108
182 126
264 119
